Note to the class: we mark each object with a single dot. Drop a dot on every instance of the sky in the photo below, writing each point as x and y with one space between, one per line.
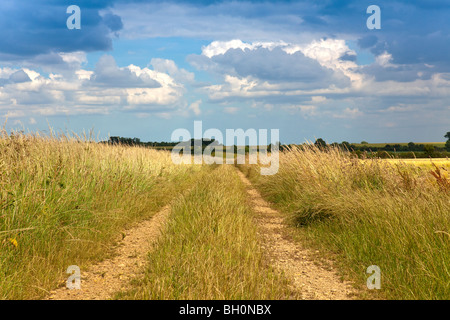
309 68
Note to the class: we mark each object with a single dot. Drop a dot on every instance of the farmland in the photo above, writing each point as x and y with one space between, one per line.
403 144
70 201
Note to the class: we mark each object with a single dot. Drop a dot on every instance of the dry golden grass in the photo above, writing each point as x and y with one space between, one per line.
372 212
64 200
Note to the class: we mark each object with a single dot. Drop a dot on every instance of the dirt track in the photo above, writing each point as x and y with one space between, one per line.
102 280
314 282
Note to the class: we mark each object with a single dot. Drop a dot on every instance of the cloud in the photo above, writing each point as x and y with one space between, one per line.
411 31
74 60
169 67
401 107
230 110
290 61
318 99
112 21
306 111
275 70
276 65
220 20
414 32
217 48
300 57
15 77
108 74
195 107
349 113
19 76
36 28
106 89
367 41
317 68
320 80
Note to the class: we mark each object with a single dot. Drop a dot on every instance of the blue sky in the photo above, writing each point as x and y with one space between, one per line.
310 68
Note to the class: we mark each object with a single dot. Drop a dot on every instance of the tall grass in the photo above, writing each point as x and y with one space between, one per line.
369 212
64 200
210 249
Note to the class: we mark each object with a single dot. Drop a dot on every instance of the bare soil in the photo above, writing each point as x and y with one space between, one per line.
101 281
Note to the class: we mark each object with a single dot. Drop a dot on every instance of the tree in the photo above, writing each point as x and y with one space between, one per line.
345 145
429 150
447 144
320 143
364 142
335 144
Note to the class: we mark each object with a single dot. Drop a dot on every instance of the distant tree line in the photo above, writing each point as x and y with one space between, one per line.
138 142
411 146
410 150
364 149
169 145
447 143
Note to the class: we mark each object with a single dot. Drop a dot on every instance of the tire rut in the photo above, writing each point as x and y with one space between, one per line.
102 280
311 280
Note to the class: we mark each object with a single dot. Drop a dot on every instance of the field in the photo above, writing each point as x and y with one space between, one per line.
381 145
70 201
389 213
63 200
424 163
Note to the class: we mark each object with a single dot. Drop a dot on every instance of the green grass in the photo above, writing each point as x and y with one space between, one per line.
371 212
210 249
64 201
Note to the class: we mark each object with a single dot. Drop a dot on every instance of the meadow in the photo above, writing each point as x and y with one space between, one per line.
391 213
65 200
